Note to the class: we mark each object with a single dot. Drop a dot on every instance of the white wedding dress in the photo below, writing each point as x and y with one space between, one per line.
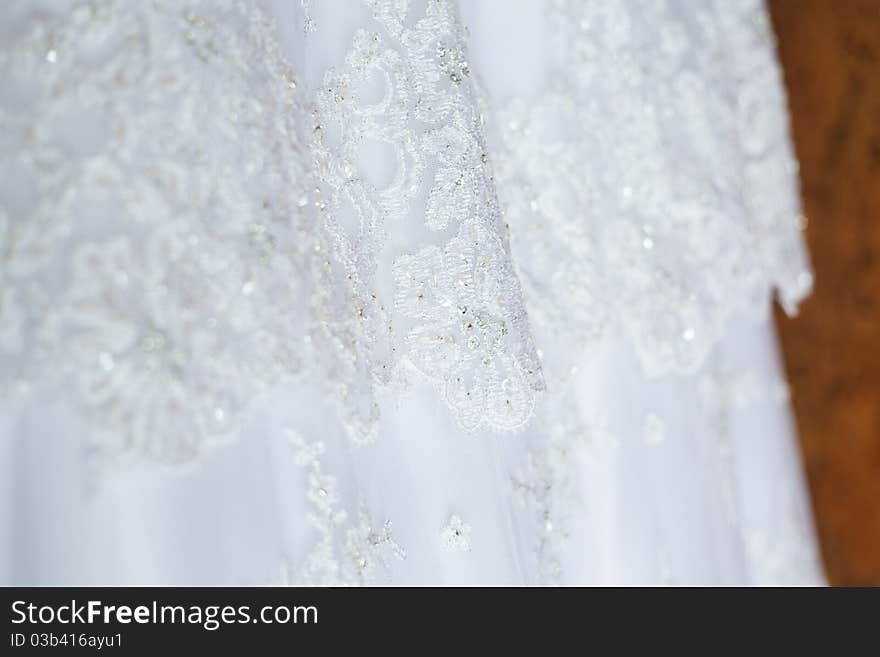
392 292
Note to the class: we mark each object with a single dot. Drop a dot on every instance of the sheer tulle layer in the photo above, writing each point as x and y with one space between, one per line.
688 479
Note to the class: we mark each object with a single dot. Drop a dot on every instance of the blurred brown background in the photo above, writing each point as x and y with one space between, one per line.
830 51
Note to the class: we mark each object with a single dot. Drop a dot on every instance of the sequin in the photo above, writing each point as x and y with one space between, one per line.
456 535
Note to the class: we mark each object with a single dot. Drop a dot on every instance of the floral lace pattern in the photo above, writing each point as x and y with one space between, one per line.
546 482
611 237
609 234
458 301
227 256
461 332
456 535
186 222
667 267
361 553
166 316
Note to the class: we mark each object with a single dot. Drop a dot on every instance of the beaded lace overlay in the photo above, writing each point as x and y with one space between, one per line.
207 233
151 243
611 236
457 303
215 261
191 216
608 231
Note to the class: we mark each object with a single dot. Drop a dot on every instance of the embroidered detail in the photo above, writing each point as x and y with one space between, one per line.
453 63
322 565
344 553
461 337
610 236
368 549
457 301
151 272
546 484
456 535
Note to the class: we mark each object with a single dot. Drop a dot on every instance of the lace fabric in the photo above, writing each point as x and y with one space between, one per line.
457 305
209 204
613 229
145 258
